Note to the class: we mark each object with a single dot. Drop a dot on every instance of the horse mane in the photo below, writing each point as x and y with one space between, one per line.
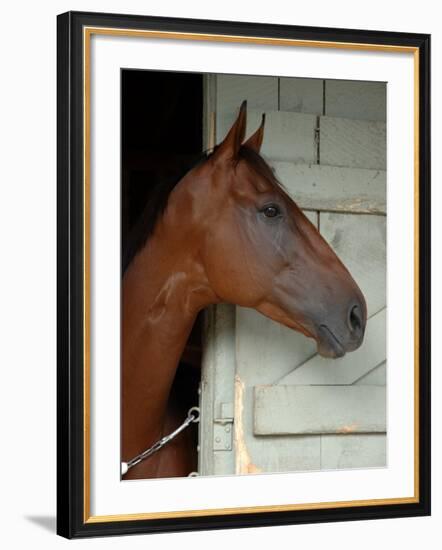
153 210
158 199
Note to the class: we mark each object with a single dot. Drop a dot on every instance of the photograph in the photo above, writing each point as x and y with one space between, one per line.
253 274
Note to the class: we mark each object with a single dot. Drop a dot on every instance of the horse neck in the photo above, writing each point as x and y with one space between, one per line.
163 290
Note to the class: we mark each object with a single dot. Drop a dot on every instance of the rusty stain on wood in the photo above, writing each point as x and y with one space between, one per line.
348 429
243 461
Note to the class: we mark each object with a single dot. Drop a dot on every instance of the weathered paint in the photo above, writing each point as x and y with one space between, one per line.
353 143
353 451
334 188
319 409
301 95
357 100
243 461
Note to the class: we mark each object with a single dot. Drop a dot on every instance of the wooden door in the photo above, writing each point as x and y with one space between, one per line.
269 402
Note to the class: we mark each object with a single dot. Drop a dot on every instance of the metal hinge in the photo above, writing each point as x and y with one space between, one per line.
223 428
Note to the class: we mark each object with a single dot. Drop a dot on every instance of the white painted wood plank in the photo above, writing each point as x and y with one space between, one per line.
347 369
353 451
352 143
285 453
376 377
255 455
287 136
335 189
360 242
265 350
301 95
319 409
357 100
261 92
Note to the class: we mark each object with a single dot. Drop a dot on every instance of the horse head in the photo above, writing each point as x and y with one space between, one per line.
260 251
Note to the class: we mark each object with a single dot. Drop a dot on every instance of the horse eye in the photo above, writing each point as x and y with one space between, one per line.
271 211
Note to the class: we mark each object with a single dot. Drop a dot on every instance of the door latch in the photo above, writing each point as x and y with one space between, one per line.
223 428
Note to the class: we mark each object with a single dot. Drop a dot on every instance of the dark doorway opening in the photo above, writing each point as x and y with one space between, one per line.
161 134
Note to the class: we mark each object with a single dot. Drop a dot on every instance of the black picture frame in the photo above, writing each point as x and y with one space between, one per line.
72 521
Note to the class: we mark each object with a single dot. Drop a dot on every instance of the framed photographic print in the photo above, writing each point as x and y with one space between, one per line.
243 274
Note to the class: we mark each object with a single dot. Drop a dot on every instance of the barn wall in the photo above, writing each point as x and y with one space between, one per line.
327 142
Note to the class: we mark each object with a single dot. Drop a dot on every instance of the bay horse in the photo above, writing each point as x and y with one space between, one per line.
226 232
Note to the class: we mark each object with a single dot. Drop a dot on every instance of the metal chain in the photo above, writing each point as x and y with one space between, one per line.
193 416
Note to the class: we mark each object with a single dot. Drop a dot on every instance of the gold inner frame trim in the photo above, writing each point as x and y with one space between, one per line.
87 33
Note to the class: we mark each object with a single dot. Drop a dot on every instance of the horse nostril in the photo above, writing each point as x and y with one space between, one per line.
355 319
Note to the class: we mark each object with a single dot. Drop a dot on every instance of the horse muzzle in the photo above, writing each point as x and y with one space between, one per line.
335 338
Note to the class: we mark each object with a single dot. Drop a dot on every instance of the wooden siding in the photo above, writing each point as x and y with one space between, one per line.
300 410
352 143
327 143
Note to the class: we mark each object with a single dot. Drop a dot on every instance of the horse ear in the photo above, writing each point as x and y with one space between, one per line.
255 140
229 147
